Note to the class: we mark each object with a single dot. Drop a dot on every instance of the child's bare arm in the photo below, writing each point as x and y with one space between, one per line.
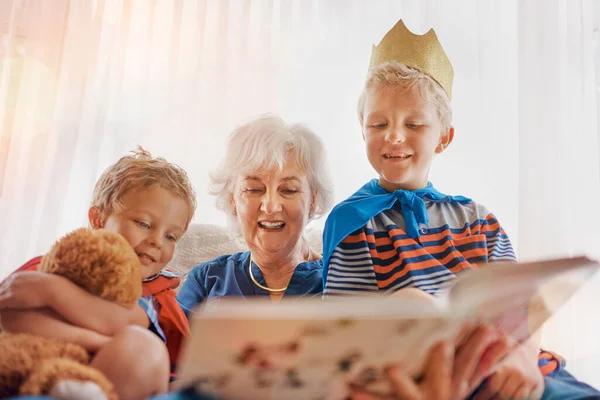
45 322
27 290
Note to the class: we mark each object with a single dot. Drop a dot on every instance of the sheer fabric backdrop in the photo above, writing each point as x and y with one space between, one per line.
82 82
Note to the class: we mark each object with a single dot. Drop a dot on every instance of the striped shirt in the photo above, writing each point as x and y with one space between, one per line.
152 309
380 256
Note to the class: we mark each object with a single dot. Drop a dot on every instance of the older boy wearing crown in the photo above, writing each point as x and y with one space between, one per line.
398 231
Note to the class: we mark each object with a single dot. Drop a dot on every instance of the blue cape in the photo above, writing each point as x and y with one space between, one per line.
371 199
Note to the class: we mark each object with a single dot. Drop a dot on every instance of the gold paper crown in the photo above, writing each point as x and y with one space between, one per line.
422 52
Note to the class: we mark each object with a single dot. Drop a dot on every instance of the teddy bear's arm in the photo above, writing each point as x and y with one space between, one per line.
45 322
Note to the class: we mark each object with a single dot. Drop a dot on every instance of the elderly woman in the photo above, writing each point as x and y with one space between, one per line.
272 182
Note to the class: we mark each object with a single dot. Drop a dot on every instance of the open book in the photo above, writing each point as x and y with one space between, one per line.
316 348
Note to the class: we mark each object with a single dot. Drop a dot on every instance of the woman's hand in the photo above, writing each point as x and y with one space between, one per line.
26 290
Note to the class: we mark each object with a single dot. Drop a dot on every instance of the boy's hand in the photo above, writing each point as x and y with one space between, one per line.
75 305
24 290
518 377
45 322
436 382
450 373
475 358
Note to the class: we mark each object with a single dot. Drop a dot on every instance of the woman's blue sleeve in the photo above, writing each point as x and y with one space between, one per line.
193 291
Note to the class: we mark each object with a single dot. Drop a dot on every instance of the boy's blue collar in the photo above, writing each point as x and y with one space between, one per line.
370 200
411 202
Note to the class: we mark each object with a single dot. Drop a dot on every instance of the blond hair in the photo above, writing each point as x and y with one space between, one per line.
140 171
394 74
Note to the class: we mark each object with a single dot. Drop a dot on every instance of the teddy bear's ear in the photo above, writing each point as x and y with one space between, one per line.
98 260
95 217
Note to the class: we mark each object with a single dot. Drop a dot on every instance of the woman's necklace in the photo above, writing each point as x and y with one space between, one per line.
265 287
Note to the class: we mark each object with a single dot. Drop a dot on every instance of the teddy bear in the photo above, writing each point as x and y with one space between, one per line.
101 262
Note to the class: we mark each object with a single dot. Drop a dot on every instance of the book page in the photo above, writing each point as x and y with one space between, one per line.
519 298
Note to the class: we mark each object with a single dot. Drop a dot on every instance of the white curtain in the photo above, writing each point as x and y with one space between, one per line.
559 163
83 82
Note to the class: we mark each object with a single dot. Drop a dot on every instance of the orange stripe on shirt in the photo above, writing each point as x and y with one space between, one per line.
386 241
491 227
433 237
423 251
416 266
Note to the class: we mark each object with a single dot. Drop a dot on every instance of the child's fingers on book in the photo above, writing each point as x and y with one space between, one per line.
471 328
468 373
518 385
493 354
437 380
360 395
403 384
357 395
468 355
503 384
464 334
524 392
485 393
513 384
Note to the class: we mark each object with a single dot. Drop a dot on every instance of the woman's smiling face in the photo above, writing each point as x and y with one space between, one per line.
273 208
